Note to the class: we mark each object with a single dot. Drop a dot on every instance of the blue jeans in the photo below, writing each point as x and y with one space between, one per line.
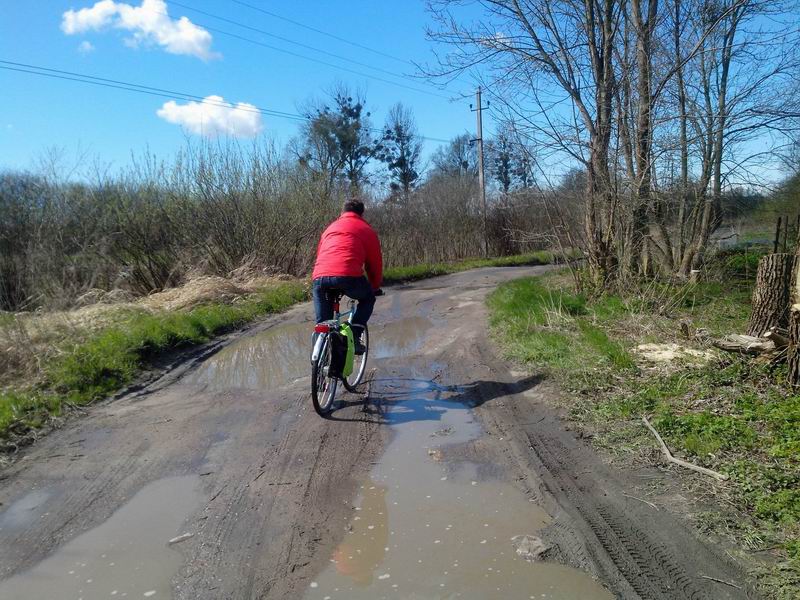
357 288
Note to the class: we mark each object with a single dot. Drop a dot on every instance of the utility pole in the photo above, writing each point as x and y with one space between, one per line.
481 178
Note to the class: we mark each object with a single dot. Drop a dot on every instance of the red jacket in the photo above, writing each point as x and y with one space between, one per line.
347 247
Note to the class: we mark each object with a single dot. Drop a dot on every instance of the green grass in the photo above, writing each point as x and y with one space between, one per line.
111 358
732 414
426 270
556 329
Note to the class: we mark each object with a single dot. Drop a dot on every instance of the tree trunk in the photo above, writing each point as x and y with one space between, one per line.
772 293
794 325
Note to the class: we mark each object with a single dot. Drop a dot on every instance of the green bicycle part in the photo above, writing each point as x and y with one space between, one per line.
351 349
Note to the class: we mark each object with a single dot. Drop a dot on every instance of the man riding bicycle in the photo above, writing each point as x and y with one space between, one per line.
347 249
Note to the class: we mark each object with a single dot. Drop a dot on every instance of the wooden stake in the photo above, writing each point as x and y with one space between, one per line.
786 234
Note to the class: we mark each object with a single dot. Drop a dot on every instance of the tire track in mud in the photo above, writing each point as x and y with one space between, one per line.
635 558
636 551
292 506
638 554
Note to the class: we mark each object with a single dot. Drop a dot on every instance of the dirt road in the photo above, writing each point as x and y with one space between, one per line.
455 481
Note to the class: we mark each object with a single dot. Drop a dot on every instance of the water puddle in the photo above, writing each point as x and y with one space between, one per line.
398 338
427 527
280 355
264 361
126 556
24 511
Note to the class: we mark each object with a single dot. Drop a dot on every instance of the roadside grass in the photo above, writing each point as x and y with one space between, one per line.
730 414
426 270
542 323
86 370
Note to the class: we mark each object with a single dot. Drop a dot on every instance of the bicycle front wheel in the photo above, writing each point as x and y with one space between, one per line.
359 364
323 387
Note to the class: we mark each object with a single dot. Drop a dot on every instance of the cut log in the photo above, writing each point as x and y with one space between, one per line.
772 293
745 344
779 336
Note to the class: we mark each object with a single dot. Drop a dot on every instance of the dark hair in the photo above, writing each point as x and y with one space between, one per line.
356 206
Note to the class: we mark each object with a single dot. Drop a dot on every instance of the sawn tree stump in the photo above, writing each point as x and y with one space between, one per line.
793 357
772 293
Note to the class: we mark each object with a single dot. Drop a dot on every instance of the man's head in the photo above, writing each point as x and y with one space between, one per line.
353 205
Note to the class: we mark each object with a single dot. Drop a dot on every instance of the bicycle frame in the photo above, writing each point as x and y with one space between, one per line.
324 328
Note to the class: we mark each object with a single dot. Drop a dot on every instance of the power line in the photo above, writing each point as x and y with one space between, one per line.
326 63
159 92
288 40
321 32
303 56
135 87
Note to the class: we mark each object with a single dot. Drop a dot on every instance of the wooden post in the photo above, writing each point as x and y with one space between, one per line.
772 293
796 232
777 236
786 233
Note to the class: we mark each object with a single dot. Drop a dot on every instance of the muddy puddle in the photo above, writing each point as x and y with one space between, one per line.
127 556
264 361
398 338
423 527
280 355
25 511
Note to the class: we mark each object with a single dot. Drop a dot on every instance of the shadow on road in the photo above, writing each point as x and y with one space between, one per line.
406 399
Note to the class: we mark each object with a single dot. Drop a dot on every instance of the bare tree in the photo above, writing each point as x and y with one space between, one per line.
457 158
623 86
400 148
532 48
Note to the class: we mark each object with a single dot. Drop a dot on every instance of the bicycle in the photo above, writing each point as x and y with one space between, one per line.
323 384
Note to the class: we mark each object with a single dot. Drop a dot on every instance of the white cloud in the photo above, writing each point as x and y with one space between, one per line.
214 116
149 24
85 47
86 19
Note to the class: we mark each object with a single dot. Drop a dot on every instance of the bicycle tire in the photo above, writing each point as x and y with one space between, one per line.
323 388
352 382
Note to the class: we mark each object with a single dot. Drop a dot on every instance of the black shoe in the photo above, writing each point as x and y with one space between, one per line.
360 349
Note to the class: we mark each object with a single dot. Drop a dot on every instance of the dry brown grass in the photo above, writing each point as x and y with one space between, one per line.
29 340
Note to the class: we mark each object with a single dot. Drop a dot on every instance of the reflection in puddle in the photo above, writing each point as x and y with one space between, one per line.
24 511
364 547
450 531
398 338
280 355
126 556
270 359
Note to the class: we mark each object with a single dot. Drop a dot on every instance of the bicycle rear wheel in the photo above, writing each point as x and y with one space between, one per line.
323 387
359 364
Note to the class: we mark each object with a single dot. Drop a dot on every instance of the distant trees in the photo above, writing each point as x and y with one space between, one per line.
400 148
337 140
218 208
458 158
508 162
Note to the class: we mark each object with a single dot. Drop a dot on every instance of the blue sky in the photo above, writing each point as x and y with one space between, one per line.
134 41
38 112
